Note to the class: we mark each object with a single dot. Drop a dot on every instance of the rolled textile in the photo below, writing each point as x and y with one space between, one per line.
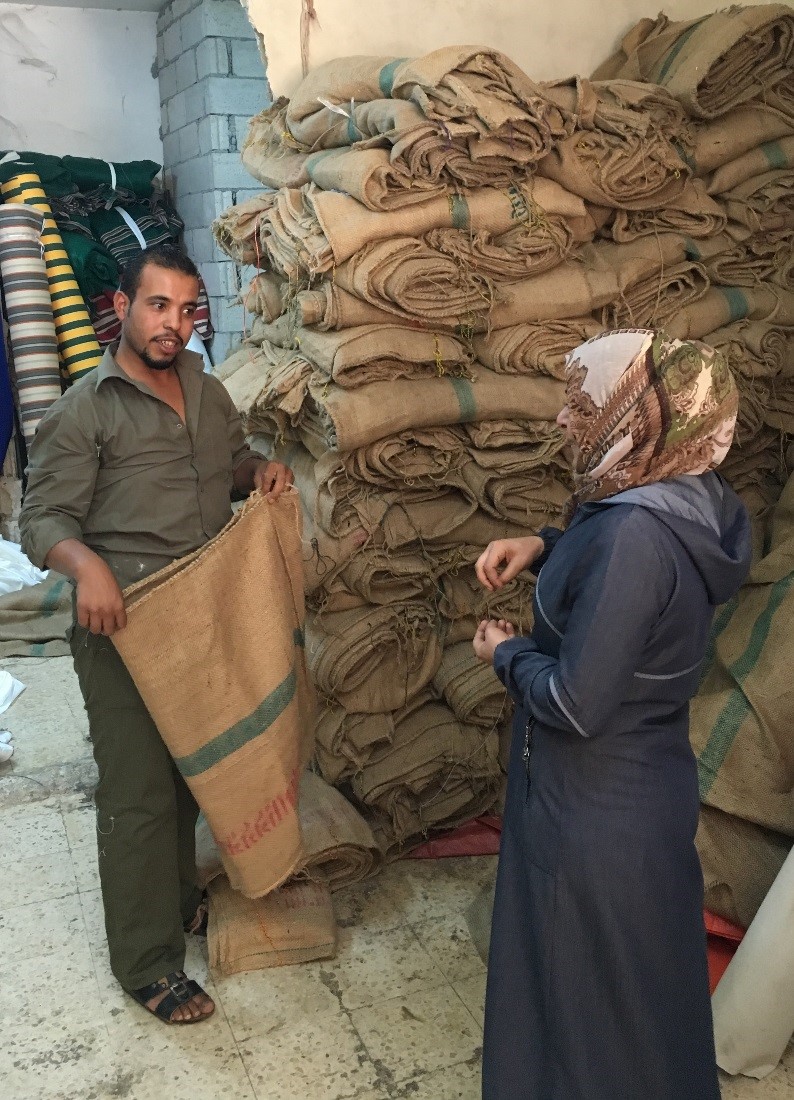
625 108
341 849
659 298
373 353
711 64
155 223
348 651
94 268
765 157
754 348
54 177
763 257
382 577
37 620
133 175
729 137
693 214
570 290
624 173
348 227
534 348
7 417
415 282
240 734
31 325
521 252
344 741
530 494
354 418
77 345
469 687
265 296
435 772
269 154
465 602
453 84
372 177
764 202
237 229
414 460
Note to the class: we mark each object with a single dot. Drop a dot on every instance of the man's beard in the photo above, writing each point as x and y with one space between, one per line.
156 364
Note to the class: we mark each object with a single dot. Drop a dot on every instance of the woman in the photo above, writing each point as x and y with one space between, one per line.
598 984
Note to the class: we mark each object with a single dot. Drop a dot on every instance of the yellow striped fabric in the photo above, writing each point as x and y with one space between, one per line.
77 343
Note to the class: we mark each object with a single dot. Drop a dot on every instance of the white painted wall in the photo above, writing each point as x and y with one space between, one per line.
79 81
549 39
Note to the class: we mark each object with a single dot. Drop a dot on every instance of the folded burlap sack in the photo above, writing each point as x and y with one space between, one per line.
341 849
372 177
519 253
658 299
265 296
729 137
771 155
693 214
763 257
753 348
722 305
346 650
472 689
345 741
624 108
236 229
570 290
534 348
710 64
269 154
764 202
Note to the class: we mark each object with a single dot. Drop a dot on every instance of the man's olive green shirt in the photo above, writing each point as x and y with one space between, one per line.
114 466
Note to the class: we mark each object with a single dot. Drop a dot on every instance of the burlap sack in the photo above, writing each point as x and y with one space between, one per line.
518 254
625 173
740 862
329 307
371 177
763 257
347 649
435 772
294 924
529 492
236 230
534 348
694 214
348 226
734 134
755 162
236 715
739 724
270 388
710 64
268 154
659 299
722 305
764 202
345 741
35 622
465 603
753 348
265 296
570 290
472 689
625 108
340 845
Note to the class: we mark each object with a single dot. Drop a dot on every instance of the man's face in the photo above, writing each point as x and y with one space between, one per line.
158 322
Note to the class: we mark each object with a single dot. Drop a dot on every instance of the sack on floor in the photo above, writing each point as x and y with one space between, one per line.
35 621
233 701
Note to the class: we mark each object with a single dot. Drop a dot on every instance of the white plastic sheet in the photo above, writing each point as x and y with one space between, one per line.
9 690
753 1004
16 570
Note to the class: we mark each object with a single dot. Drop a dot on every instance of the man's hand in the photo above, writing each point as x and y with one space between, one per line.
271 478
490 633
100 604
503 560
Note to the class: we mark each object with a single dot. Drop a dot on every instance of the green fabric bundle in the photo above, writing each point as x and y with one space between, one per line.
55 178
94 267
156 224
136 175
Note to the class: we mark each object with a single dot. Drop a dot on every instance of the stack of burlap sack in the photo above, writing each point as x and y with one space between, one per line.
436 235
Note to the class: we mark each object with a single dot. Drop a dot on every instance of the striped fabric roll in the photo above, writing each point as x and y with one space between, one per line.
77 343
31 325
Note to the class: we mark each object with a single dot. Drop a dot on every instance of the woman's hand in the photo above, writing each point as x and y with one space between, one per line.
490 633
504 559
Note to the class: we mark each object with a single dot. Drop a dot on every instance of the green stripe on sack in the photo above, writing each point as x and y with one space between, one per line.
299 638
459 209
738 707
386 76
238 735
466 400
774 154
49 605
721 621
353 131
692 250
676 50
737 302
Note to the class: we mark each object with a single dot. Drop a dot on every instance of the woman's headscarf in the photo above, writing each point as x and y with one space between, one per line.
645 407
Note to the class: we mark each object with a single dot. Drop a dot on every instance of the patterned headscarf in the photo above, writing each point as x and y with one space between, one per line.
645 407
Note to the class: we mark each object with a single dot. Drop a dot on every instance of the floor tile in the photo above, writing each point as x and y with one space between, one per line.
48 992
426 888
86 868
375 966
409 1036
80 824
40 878
322 1059
282 997
27 931
58 1064
369 904
472 992
33 829
448 943
461 1082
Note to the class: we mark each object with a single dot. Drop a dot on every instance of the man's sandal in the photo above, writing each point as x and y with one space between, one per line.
180 990
199 924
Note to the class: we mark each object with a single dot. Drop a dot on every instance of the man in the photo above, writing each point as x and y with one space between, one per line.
132 468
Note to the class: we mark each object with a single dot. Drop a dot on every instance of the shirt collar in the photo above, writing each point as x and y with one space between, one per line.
187 361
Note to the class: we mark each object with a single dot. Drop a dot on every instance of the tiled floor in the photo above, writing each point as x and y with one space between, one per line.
398 1012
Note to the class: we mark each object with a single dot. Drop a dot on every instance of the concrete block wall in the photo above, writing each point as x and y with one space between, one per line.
212 80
